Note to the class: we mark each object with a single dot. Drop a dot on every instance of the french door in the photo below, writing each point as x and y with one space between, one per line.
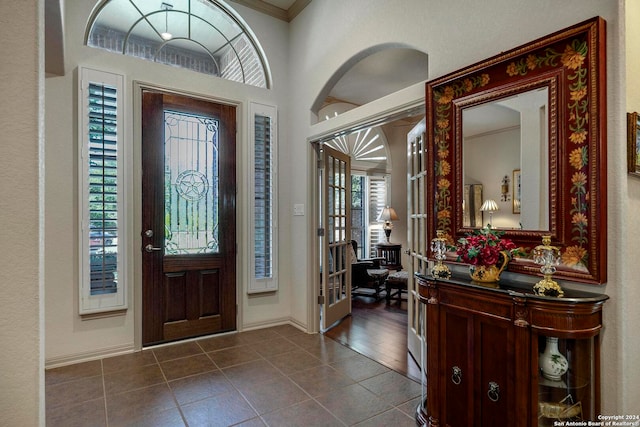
335 235
188 218
417 231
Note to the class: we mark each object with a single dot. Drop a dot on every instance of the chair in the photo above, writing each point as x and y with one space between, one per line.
367 277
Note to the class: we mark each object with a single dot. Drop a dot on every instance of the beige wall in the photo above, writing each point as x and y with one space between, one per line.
21 330
455 33
68 337
630 345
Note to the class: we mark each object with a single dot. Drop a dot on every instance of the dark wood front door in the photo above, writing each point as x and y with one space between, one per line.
188 217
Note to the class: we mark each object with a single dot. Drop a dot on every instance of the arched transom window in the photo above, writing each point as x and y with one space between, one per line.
200 35
368 147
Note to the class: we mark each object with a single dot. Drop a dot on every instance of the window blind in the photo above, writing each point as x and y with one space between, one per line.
263 197
103 189
377 202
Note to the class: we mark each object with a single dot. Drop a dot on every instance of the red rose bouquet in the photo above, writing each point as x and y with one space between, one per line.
484 247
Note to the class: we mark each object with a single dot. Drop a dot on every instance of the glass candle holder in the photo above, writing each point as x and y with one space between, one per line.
439 247
548 256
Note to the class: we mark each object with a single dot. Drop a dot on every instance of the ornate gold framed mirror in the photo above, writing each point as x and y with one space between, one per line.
633 143
540 109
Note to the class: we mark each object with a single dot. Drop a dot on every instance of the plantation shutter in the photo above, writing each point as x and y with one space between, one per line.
103 188
377 201
263 197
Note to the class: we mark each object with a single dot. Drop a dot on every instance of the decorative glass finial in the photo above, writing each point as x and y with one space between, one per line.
549 257
439 247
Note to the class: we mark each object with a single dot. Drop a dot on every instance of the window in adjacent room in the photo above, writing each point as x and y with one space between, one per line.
369 196
263 190
101 192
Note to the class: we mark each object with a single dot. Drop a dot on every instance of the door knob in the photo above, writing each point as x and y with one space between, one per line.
456 375
494 391
151 248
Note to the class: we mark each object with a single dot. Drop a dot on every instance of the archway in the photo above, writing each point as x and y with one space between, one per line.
345 92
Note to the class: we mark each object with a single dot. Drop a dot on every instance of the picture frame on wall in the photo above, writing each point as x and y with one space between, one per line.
633 143
515 197
472 216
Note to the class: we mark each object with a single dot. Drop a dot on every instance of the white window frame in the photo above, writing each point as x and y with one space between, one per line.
268 284
117 301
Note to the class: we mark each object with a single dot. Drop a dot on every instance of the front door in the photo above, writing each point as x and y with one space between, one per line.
335 183
188 217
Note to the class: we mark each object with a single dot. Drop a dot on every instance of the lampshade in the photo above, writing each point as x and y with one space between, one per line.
489 205
388 214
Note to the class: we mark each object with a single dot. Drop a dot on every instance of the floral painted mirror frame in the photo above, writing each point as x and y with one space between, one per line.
633 143
571 63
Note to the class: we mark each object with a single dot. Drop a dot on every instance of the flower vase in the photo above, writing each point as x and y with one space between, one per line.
489 273
552 363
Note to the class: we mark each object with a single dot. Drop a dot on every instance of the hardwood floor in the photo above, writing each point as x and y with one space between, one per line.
378 331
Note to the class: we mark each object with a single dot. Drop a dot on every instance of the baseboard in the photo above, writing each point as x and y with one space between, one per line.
56 362
275 322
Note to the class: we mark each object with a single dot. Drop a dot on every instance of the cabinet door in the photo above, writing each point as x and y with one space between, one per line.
456 368
493 340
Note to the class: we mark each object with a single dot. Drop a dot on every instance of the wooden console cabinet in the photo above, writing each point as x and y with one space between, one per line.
482 347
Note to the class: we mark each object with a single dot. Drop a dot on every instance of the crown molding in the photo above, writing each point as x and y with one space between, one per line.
274 11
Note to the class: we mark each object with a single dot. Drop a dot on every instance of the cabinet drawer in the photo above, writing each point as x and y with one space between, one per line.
476 302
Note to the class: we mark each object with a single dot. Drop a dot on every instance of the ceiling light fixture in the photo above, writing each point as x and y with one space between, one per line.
166 35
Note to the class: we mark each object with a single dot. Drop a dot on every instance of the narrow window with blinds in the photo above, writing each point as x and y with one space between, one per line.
369 196
377 199
264 205
101 171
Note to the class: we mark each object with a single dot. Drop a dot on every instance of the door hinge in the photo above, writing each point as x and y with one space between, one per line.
321 299
320 232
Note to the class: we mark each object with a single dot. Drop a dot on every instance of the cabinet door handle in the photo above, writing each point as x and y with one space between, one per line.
494 391
456 375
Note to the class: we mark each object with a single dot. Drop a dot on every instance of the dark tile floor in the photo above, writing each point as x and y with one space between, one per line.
275 377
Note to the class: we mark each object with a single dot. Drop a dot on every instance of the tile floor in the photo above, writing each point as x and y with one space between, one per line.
275 377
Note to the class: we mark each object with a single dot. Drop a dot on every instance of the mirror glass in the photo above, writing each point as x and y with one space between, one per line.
505 158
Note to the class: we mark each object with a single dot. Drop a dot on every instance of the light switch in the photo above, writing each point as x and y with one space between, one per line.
298 209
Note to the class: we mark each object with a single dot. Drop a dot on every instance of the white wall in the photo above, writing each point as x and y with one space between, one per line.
21 328
485 170
68 337
454 33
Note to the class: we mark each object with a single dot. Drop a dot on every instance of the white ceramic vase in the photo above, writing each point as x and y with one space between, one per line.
552 363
